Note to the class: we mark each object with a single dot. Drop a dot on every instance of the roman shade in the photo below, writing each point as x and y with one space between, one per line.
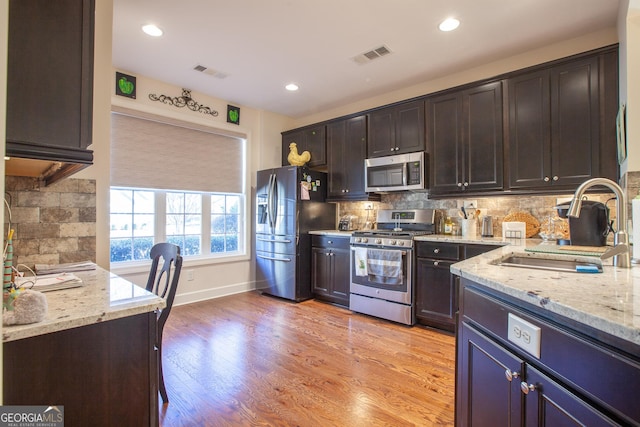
174 155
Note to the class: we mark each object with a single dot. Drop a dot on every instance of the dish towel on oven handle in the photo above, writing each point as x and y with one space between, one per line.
360 258
384 266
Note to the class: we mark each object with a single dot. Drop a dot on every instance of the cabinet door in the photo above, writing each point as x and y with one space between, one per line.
574 122
529 130
320 270
409 127
337 179
355 150
347 145
436 293
484 394
340 275
552 405
50 79
444 141
482 137
311 139
316 142
382 133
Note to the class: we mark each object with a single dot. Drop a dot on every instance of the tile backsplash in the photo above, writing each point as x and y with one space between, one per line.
540 206
53 224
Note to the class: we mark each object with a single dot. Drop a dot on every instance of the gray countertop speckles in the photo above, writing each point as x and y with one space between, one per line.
609 302
104 296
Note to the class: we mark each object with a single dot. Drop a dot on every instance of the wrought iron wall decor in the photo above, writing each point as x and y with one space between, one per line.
184 101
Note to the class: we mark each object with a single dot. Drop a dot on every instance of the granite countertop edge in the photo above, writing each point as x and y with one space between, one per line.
87 305
608 302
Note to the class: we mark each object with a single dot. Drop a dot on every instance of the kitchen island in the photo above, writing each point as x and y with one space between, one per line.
94 354
538 347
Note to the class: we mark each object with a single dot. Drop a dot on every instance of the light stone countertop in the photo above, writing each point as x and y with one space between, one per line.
104 296
608 302
460 239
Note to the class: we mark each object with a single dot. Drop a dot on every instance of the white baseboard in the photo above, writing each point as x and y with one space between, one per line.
191 297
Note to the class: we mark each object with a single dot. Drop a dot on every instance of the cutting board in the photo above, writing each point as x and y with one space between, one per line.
568 249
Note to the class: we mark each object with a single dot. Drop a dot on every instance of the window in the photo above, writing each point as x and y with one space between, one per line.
140 217
175 181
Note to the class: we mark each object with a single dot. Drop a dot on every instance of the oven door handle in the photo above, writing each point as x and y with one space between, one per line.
353 248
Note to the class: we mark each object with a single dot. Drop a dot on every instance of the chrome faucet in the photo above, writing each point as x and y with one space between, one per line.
620 250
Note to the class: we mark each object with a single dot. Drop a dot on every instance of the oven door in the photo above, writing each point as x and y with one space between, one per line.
370 285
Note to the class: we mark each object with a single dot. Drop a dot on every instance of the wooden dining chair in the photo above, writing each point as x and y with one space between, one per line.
163 282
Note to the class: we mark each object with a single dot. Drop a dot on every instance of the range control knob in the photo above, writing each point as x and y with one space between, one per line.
358 239
365 240
393 242
378 241
401 243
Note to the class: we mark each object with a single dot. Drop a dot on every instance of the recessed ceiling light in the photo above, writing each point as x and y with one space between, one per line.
152 30
292 87
449 24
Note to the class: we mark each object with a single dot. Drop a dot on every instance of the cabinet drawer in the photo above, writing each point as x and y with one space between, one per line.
471 250
330 242
438 250
599 373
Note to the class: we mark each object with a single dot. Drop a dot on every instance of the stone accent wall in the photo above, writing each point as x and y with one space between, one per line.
54 224
498 207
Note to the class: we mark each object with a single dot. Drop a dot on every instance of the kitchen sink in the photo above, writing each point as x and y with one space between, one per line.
565 264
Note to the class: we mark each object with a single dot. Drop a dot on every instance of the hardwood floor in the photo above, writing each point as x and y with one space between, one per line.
255 360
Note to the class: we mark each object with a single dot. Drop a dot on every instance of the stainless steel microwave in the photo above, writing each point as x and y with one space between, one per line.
396 173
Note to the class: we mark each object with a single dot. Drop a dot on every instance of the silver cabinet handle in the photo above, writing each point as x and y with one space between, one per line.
459 184
466 184
555 177
526 388
436 251
546 179
436 263
510 375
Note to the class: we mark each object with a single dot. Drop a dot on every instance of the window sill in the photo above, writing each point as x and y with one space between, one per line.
134 267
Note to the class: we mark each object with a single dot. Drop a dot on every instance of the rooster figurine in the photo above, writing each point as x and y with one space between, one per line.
296 159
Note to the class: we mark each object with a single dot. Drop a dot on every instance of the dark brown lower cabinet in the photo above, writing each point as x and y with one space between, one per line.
104 374
330 269
436 289
576 380
436 293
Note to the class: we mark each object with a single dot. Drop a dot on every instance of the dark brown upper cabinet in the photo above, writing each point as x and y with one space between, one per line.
562 124
397 129
347 147
465 140
312 139
50 81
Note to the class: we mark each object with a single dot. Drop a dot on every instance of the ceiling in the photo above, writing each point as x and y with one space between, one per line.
258 46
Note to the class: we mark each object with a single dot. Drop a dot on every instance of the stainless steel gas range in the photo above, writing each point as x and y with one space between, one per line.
382 264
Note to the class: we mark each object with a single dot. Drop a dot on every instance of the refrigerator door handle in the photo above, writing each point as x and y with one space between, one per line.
274 258
272 201
260 239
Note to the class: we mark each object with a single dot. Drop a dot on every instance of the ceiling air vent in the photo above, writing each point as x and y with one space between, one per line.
369 56
210 71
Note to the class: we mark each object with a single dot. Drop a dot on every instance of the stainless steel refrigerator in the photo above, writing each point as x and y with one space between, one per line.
290 201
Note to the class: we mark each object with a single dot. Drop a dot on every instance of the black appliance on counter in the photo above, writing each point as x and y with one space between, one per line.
290 201
591 227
